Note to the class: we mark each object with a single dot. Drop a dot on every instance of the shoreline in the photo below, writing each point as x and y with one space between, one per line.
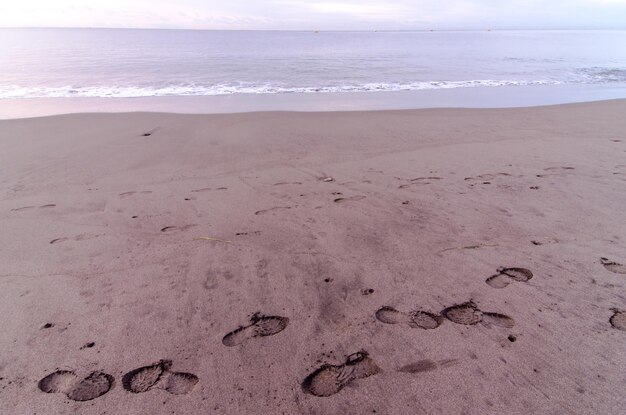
494 97
348 112
232 258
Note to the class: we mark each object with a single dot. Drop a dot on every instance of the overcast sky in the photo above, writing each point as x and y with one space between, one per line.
315 14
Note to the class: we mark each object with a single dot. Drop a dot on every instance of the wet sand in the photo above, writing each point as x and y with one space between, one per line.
497 97
442 261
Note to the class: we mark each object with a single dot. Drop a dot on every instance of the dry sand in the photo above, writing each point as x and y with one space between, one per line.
129 260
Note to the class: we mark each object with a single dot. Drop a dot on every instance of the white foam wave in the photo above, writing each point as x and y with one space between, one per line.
195 90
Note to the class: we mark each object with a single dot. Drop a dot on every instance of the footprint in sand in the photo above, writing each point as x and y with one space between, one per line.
329 379
618 319
554 171
419 181
427 365
33 207
469 314
77 238
260 326
58 240
348 199
415 319
204 189
487 177
126 194
466 313
252 233
77 389
159 376
614 267
546 240
208 189
264 211
506 276
169 229
558 168
497 319
23 208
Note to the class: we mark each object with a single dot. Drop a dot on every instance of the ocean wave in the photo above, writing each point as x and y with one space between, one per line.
183 90
13 91
601 75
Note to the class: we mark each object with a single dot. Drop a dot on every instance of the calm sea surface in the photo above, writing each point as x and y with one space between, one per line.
38 63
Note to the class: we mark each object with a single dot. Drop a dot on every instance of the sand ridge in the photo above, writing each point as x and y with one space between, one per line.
428 261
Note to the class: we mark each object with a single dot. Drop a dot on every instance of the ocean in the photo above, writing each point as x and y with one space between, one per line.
120 63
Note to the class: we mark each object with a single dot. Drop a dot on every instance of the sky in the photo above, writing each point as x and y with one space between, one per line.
317 14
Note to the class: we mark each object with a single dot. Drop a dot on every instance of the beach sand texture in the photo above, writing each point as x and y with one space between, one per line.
398 262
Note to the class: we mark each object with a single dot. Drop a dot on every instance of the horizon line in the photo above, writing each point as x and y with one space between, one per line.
484 28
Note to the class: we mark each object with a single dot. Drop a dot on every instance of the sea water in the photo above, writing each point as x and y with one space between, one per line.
120 63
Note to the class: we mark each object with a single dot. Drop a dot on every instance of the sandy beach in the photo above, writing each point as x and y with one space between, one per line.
436 261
